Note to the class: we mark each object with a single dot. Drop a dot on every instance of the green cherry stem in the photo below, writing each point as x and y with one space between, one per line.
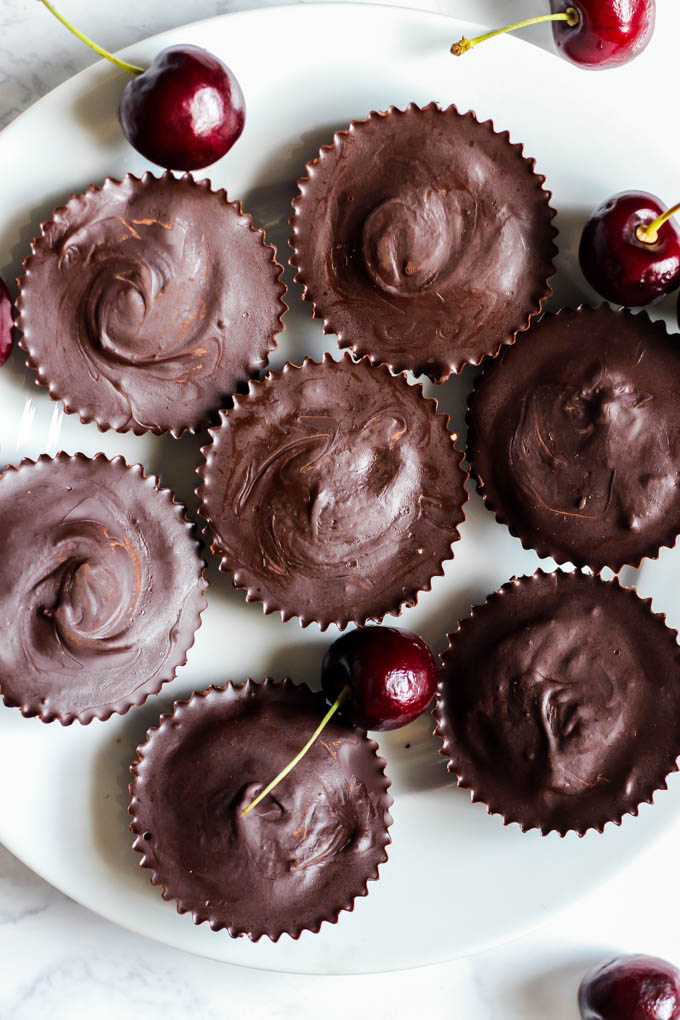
571 16
649 234
301 753
132 68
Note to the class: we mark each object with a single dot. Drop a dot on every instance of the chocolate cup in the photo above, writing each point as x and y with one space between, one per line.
146 303
101 582
385 251
559 702
333 492
299 858
570 438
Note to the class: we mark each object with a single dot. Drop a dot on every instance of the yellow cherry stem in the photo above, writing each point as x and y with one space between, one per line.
302 752
649 233
132 68
571 16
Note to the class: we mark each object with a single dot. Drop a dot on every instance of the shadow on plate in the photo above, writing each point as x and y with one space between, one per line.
551 994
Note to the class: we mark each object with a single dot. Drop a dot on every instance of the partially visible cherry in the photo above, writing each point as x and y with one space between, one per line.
6 323
631 988
630 249
594 34
184 112
391 675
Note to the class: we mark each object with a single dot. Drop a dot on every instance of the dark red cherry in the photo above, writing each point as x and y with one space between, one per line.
391 674
618 262
608 33
6 323
185 112
631 988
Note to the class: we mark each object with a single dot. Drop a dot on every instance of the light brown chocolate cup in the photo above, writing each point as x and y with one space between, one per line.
333 492
102 587
298 858
558 706
146 303
423 239
570 437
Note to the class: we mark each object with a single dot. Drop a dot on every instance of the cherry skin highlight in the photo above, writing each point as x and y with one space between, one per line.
609 32
185 112
391 675
616 263
6 323
631 988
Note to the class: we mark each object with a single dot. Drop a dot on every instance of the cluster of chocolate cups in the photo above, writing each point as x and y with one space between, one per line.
333 492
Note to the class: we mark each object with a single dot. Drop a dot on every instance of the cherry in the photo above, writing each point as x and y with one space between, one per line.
630 251
6 323
184 112
391 675
591 33
631 988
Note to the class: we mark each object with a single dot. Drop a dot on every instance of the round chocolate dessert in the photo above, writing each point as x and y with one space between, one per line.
559 703
333 492
423 238
301 855
146 303
101 587
573 437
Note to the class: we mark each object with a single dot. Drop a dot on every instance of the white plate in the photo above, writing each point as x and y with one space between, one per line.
456 880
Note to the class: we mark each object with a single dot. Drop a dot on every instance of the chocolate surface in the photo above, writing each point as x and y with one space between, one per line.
333 492
145 304
559 704
101 587
423 239
298 858
575 437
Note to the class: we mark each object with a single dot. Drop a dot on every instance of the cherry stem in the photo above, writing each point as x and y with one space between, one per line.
649 233
132 68
302 752
571 16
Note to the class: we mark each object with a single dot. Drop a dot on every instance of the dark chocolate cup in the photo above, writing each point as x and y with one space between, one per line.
581 721
379 236
611 376
201 766
347 525
102 584
174 302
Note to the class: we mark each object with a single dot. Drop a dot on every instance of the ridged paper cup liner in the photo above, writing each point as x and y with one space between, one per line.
423 239
102 587
146 303
303 854
333 492
572 437
559 702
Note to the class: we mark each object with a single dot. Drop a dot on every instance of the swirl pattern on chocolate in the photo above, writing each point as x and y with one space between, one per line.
298 858
101 583
146 303
575 437
423 238
559 704
333 492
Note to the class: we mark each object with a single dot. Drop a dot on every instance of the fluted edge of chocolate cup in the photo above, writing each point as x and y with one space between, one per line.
38 245
625 805
360 349
326 914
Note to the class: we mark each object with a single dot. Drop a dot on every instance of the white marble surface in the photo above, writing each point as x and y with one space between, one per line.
58 960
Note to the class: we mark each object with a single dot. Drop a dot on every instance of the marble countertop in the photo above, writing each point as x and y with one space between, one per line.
58 960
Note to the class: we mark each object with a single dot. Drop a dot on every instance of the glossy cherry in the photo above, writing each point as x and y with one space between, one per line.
631 988
391 675
594 34
6 323
621 266
185 112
